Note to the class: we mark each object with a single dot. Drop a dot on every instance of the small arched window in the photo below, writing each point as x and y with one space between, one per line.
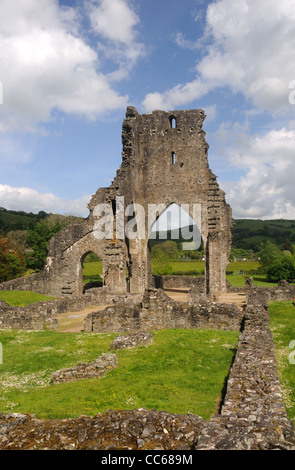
173 158
173 122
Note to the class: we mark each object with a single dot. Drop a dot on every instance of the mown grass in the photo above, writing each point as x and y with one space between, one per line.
182 371
239 270
22 298
282 318
238 280
92 271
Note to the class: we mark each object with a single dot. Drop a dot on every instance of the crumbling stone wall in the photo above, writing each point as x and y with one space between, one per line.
44 314
174 282
93 370
158 311
34 317
252 415
147 175
283 291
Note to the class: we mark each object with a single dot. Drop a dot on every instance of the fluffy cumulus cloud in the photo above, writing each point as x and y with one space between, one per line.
267 189
115 22
249 48
46 64
30 200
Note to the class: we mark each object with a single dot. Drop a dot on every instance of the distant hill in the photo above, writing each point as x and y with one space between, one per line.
181 235
247 233
18 220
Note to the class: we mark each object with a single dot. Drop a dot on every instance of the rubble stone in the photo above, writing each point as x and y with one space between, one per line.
132 341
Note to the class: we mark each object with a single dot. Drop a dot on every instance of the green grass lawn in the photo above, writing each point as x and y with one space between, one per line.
22 298
238 280
282 316
182 371
92 271
241 270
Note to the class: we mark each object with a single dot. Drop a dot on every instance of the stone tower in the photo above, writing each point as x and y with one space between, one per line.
164 161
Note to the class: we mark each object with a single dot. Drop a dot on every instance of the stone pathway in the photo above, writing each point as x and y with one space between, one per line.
238 298
73 322
179 294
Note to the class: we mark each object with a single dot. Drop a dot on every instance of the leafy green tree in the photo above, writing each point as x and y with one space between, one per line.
282 268
239 253
162 254
12 260
37 240
165 251
268 254
288 247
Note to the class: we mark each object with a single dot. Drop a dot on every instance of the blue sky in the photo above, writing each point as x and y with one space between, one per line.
69 69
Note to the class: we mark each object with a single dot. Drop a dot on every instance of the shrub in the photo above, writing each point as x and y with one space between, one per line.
282 268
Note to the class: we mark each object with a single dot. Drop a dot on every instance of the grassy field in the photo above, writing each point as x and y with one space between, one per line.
282 316
239 270
92 271
22 298
182 371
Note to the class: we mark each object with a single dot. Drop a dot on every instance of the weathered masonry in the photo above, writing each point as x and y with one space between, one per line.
164 161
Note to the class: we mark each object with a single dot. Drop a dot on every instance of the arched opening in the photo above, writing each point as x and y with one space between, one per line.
175 246
92 271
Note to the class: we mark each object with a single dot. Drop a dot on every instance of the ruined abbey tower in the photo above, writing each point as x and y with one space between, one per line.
164 161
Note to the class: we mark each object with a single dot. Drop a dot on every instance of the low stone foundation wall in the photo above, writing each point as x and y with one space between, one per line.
283 291
36 282
44 314
174 282
34 317
93 370
158 311
253 414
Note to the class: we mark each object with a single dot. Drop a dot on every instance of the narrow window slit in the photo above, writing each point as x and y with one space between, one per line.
173 122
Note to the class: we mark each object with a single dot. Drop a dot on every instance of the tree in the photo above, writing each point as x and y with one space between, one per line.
12 260
282 268
268 254
288 247
165 251
37 240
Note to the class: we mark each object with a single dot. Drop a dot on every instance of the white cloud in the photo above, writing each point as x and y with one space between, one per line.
251 50
46 64
30 200
267 188
115 22
186 43
178 95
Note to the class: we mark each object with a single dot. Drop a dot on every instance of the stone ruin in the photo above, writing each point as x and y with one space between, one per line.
164 162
